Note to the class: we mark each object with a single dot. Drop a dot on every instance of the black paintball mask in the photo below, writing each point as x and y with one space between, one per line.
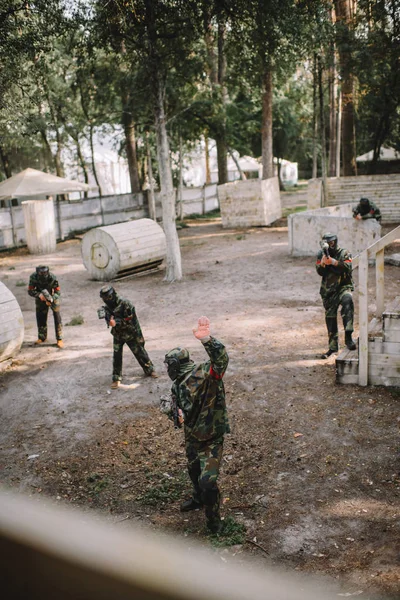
43 273
365 206
332 241
175 359
108 295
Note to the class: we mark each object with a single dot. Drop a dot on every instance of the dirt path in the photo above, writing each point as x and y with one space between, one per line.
311 468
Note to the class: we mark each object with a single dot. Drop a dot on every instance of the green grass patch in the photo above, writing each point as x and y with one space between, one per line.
165 490
232 533
293 210
240 237
20 283
76 320
213 214
96 483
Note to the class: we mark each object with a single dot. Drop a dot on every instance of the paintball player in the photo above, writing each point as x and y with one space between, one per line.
44 287
366 209
198 401
334 266
125 327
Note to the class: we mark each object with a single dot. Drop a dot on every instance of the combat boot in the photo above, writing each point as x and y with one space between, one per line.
349 341
214 524
191 504
60 344
38 342
328 353
115 385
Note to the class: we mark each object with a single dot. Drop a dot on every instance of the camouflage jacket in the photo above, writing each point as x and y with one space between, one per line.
201 395
35 287
127 324
335 279
371 212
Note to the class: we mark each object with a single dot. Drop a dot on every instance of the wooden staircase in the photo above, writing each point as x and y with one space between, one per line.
383 353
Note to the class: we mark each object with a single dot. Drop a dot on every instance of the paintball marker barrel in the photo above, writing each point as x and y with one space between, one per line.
48 296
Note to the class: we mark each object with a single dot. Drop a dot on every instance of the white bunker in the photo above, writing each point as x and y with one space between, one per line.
11 324
116 250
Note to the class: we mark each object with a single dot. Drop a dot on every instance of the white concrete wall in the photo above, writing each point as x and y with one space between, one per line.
250 203
306 229
384 190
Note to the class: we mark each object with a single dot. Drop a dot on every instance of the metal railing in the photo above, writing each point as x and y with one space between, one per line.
373 252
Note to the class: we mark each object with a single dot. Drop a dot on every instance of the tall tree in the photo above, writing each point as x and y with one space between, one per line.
345 22
158 38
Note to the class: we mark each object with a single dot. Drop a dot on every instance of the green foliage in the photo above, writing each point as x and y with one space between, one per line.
20 283
165 490
76 320
232 533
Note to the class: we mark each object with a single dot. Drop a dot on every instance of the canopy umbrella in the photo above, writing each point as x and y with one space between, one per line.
31 182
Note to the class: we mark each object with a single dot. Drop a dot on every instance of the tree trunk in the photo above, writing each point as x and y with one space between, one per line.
150 192
339 133
94 170
82 163
322 129
235 160
344 14
174 262
222 148
266 125
6 163
332 118
129 130
315 119
207 153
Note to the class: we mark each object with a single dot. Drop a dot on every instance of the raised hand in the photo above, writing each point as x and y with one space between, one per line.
203 328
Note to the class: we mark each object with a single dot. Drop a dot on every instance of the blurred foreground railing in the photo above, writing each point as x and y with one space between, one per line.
373 252
60 554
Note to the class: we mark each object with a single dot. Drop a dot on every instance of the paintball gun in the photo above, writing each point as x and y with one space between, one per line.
48 297
104 313
325 248
168 406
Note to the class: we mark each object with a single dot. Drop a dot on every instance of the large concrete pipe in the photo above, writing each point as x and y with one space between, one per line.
124 248
40 226
11 324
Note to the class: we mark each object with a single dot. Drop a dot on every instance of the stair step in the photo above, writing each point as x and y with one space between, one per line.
376 345
347 367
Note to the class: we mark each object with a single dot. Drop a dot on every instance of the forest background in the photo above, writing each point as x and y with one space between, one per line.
311 81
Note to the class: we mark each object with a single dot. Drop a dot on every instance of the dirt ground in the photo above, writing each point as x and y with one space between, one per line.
311 468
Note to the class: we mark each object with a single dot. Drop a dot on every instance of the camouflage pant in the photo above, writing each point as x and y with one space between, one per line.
41 318
137 348
204 460
331 305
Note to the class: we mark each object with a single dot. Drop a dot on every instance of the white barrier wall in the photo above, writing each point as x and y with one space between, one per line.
11 324
40 229
306 229
251 203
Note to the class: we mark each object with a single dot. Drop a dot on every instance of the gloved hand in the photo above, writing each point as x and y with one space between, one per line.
203 328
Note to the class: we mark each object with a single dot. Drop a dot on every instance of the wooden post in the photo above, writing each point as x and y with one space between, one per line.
203 200
363 319
380 281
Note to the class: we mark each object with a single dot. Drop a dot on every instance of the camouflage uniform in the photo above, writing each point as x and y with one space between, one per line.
200 394
336 288
35 288
367 211
127 331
